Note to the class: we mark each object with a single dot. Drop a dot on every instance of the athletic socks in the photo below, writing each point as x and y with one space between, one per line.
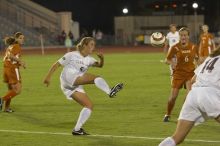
168 142
101 84
86 112
83 117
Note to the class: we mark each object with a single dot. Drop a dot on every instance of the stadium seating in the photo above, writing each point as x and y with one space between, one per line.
11 14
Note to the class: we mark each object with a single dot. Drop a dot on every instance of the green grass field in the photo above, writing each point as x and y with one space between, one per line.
136 113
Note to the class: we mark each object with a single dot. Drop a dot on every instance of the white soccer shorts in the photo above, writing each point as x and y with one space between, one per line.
201 103
67 79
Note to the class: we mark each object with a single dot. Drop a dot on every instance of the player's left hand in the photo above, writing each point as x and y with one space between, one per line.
100 55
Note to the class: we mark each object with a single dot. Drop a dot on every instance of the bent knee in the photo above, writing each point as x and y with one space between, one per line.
89 105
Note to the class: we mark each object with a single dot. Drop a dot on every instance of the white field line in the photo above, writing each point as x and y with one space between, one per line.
107 136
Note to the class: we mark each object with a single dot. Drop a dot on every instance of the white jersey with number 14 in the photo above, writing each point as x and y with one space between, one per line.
208 73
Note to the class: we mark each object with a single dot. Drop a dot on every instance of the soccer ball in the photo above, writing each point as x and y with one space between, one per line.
157 39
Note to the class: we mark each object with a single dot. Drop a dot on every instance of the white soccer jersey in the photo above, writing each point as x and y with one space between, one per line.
173 38
75 65
208 73
76 62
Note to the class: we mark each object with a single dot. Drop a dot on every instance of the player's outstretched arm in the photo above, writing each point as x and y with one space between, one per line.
101 61
50 73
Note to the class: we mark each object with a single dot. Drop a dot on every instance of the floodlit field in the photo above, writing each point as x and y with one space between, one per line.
44 117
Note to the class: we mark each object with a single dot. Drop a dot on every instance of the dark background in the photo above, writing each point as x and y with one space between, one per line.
99 14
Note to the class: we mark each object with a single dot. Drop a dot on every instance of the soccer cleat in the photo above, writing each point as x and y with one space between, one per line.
115 89
9 110
166 118
79 132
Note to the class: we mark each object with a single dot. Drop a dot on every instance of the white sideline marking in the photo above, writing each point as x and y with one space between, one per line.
111 136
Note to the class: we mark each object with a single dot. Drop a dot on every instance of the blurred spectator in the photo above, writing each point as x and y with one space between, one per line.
93 33
99 36
68 43
63 37
70 34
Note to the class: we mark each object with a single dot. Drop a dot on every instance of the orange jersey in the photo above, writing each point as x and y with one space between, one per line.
205 40
185 59
206 44
14 50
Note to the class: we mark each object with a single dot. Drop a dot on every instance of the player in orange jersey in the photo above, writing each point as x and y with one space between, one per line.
206 43
11 74
186 53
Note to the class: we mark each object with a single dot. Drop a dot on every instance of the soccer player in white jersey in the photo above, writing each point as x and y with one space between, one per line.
172 38
74 76
202 102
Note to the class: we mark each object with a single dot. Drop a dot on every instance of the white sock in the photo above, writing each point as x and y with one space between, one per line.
83 117
101 84
168 142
